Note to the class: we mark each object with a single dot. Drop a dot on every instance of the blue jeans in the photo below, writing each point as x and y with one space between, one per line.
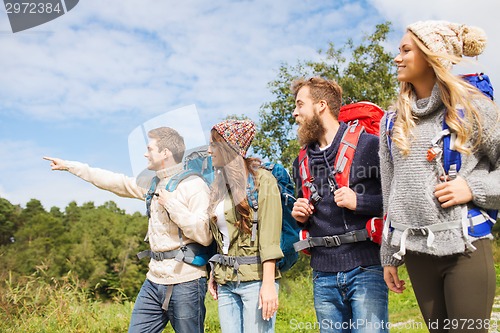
239 308
186 309
353 301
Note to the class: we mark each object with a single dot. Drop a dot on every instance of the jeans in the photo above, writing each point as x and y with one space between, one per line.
238 308
353 301
186 309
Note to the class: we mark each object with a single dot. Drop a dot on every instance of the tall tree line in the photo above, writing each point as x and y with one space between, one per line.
98 245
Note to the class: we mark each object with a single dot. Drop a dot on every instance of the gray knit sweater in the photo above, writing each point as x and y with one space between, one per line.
408 182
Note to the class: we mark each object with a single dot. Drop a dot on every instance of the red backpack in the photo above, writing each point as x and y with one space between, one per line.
359 117
366 114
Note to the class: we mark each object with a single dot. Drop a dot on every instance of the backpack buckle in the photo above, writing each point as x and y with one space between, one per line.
452 173
228 261
433 153
331 241
315 198
158 256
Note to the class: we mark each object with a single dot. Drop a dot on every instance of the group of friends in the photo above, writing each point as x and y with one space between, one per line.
452 274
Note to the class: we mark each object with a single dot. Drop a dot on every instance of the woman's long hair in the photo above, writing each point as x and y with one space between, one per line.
233 177
456 95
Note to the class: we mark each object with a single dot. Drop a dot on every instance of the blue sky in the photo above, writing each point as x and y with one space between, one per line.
77 86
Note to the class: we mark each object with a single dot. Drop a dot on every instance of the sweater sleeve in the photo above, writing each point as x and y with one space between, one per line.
116 183
484 180
270 217
188 208
386 175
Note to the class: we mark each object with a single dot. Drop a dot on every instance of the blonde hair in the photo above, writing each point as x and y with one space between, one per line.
456 95
231 178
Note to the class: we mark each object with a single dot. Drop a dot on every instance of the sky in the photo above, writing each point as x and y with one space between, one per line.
78 86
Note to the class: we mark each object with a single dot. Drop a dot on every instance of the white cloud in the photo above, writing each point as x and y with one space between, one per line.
105 67
101 59
482 14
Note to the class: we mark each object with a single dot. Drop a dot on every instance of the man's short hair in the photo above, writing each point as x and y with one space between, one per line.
321 89
168 138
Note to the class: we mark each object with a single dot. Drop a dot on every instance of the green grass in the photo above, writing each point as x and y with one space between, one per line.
36 306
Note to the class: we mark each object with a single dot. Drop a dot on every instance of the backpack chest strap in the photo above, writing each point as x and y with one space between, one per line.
332 241
424 231
234 262
158 256
184 253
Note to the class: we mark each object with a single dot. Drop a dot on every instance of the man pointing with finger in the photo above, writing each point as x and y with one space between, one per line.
174 290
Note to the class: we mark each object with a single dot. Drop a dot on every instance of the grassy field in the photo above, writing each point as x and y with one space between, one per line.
37 306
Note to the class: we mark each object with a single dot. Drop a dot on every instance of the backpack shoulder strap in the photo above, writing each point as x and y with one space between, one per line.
452 159
304 172
170 187
176 179
389 125
253 202
345 154
150 193
252 194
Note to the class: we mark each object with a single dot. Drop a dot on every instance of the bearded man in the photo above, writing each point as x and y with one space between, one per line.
349 289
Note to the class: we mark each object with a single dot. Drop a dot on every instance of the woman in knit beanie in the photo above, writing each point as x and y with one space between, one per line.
449 262
243 278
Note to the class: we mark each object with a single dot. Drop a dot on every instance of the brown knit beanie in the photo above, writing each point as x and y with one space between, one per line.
237 133
443 37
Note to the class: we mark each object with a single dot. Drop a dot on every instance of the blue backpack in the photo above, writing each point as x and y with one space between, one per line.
481 81
480 221
289 227
197 163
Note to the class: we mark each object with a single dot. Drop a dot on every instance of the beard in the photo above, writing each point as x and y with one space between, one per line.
311 130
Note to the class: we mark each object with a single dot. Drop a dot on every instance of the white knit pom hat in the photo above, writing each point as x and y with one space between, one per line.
443 37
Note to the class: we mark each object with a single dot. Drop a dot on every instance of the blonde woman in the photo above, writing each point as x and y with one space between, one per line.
244 275
452 272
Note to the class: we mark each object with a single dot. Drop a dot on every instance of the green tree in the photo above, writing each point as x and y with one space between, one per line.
33 207
72 213
105 242
36 241
97 244
368 75
9 221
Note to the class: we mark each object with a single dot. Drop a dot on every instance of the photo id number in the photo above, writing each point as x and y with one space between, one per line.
32 8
